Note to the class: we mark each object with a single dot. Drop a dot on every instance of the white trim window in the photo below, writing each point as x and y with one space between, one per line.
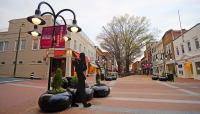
35 44
80 48
196 40
22 44
1 46
189 46
4 46
182 48
75 48
177 50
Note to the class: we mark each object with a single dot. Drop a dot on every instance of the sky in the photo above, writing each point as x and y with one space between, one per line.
93 14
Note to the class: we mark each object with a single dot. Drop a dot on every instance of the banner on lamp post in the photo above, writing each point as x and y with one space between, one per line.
46 37
59 41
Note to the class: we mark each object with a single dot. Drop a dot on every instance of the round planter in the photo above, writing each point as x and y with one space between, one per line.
154 77
55 102
101 90
88 95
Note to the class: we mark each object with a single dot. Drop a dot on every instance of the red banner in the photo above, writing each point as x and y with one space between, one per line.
59 36
46 38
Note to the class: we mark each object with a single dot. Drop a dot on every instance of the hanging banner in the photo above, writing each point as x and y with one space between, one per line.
46 37
59 41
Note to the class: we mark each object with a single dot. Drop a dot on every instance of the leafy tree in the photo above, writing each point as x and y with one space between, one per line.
124 37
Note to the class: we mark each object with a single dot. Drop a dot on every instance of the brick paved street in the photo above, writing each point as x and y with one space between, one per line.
129 95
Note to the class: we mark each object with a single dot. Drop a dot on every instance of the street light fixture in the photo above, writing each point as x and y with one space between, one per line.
34 32
37 20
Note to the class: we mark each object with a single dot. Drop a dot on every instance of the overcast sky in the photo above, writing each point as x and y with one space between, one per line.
93 14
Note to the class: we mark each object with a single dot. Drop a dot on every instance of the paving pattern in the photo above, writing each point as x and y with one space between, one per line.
135 94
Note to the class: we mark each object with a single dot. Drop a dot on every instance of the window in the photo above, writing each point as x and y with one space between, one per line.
1 46
84 50
6 46
197 64
35 44
182 48
177 51
22 44
189 46
75 45
197 43
180 66
80 46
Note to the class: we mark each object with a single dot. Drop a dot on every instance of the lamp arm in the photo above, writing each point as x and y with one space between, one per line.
45 13
74 15
43 2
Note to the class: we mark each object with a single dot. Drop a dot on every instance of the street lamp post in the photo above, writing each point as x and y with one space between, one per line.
37 20
17 50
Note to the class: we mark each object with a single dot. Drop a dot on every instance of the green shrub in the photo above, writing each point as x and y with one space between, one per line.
57 82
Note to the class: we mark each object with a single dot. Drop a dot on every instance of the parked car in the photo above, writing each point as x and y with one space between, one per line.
154 77
111 76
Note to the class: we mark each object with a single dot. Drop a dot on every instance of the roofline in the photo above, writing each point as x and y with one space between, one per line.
187 31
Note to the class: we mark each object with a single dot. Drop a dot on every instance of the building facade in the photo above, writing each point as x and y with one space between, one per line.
32 59
168 46
187 53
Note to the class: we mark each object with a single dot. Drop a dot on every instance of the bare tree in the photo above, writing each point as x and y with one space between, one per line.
124 37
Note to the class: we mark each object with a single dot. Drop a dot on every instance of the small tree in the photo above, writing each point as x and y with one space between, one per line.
57 82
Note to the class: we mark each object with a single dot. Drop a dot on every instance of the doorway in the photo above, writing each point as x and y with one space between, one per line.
59 63
188 70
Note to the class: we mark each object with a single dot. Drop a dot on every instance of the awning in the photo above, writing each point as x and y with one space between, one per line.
93 65
77 56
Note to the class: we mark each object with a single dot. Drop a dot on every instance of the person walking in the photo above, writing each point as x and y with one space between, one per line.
80 68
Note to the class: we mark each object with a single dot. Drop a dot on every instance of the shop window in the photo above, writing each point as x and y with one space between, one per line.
180 72
197 64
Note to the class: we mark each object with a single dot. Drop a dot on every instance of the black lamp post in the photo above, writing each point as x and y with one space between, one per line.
37 20
17 50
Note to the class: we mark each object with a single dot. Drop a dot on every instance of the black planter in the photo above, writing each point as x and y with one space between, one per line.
101 90
89 95
154 77
163 78
108 78
55 102
67 84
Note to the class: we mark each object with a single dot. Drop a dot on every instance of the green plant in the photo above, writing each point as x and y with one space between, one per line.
57 82
74 79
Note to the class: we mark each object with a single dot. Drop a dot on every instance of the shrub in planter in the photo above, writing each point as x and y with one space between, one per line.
56 99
